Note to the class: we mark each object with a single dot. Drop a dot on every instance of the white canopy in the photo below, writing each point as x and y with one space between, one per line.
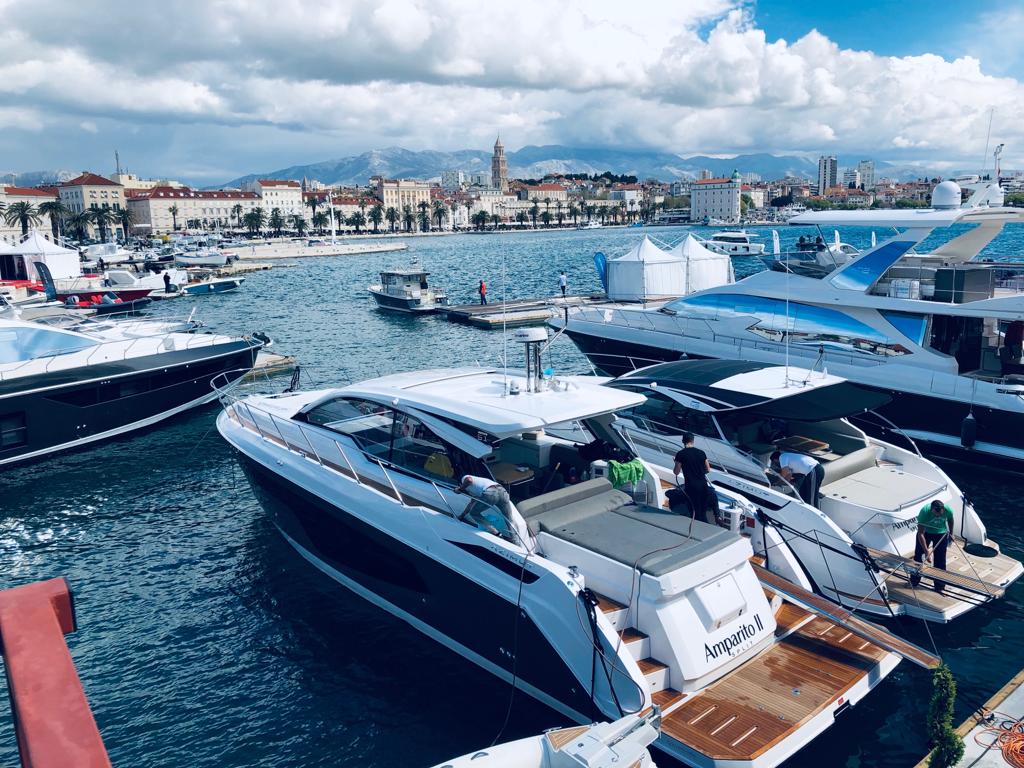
702 267
644 272
62 262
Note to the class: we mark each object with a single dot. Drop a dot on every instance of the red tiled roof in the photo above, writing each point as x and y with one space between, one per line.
547 188
320 194
184 192
28 192
713 181
276 183
345 200
90 179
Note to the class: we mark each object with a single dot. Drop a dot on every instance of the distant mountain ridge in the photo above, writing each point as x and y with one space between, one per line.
533 162
36 178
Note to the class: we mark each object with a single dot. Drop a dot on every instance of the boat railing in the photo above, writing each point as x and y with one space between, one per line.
284 433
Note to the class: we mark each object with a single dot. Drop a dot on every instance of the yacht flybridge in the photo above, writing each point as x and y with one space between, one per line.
595 601
938 332
406 290
857 547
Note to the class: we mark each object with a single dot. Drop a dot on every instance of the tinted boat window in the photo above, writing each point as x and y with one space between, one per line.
18 343
368 423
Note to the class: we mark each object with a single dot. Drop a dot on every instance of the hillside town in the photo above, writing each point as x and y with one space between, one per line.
93 207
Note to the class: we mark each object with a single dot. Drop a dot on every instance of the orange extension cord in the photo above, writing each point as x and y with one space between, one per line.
1009 737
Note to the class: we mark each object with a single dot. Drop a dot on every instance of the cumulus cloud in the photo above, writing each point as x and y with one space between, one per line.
303 76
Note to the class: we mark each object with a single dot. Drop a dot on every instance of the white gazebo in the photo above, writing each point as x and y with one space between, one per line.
702 268
644 272
17 262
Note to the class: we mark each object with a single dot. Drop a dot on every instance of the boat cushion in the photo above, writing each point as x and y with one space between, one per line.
571 502
882 488
850 464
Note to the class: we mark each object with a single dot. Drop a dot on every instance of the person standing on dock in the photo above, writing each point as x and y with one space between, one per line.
483 292
563 283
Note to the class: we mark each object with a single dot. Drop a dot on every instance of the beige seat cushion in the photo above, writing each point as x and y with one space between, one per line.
850 464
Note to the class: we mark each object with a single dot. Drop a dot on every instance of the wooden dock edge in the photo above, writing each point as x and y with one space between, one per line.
979 714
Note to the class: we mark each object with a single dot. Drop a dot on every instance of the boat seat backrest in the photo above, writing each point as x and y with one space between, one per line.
851 464
571 503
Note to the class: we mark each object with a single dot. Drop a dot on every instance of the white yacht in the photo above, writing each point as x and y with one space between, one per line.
738 243
406 290
856 547
937 331
595 601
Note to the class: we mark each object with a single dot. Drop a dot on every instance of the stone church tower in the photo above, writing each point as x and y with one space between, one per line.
499 167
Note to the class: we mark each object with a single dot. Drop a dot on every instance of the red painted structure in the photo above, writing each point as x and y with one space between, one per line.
52 719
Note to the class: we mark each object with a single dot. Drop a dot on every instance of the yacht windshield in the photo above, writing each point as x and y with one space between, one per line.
21 343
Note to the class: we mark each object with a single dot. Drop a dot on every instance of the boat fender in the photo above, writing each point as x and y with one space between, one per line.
968 431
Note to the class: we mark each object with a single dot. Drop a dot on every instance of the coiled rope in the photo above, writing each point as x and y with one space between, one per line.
1008 733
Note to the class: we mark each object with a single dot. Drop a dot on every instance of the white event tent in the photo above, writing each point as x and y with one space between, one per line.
703 267
19 260
647 271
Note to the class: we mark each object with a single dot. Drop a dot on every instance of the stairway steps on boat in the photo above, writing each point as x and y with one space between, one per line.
657 674
667 699
613 611
638 644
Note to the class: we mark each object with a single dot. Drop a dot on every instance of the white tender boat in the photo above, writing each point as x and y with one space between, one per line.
586 597
738 243
622 744
208 258
407 290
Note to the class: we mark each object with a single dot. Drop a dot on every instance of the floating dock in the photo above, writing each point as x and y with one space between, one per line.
992 728
518 313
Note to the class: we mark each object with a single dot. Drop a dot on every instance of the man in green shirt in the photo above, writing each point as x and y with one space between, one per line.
934 530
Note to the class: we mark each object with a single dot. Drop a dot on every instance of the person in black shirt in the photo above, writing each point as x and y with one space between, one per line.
693 464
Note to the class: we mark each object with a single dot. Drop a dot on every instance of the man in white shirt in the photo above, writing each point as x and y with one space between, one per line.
563 283
493 494
803 470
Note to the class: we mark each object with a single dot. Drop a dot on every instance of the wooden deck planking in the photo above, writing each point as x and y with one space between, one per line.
559 738
772 695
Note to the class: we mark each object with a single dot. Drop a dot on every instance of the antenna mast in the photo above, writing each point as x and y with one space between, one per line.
117 162
988 137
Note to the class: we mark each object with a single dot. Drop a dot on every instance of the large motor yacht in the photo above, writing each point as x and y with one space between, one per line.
938 332
592 599
63 388
855 547
406 290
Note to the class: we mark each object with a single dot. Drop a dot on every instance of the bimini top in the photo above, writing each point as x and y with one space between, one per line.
772 391
477 397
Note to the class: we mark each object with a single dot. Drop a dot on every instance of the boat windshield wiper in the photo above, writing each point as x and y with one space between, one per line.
667 311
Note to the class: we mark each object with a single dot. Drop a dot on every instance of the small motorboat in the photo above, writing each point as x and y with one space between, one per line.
407 290
214 285
208 258
108 253
738 243
622 744
592 224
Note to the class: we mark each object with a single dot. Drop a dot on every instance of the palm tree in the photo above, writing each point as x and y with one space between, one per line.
440 213
632 209
424 215
22 213
125 218
559 215
588 209
102 218
376 216
56 210
173 210
574 213
521 216
357 220
622 208
469 211
545 216
320 221
495 220
480 219
299 223
534 211
77 223
254 220
391 216
547 206
313 201
408 217
276 221
236 211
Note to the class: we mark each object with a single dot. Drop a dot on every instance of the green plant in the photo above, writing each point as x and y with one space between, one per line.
947 744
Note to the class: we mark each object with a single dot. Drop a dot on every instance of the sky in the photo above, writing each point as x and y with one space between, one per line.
207 90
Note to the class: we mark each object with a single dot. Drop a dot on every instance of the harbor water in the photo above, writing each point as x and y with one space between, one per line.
205 641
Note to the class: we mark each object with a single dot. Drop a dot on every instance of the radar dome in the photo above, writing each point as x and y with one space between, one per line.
946 195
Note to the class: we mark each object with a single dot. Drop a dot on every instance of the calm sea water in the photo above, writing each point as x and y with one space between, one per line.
205 641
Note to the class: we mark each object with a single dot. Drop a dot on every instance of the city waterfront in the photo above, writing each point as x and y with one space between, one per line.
205 640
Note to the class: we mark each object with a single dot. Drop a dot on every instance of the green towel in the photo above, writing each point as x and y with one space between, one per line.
632 472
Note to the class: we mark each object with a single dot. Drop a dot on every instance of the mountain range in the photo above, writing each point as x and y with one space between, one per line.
534 162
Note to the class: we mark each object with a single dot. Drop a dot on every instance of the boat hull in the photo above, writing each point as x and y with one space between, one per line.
111 399
474 621
214 286
400 304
